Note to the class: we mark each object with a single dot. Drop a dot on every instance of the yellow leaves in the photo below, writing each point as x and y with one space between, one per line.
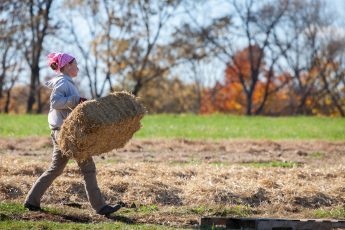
120 46
314 72
113 69
117 67
328 101
165 95
308 102
123 65
315 111
72 3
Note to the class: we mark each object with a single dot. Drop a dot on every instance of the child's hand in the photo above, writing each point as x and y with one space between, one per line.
82 99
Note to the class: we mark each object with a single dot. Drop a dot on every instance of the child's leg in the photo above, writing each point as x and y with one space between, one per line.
88 169
56 168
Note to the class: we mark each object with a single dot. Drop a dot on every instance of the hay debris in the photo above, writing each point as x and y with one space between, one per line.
101 125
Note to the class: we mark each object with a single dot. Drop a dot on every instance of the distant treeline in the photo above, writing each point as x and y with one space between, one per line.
281 57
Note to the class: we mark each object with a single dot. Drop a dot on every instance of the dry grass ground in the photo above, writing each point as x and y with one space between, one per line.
175 182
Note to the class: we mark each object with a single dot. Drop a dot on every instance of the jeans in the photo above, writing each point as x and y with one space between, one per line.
56 168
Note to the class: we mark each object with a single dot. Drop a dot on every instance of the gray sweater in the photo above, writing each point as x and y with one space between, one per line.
63 99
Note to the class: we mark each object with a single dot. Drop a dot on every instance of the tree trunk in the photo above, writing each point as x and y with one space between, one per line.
301 109
39 25
249 103
8 100
31 99
38 93
335 100
1 85
137 87
34 93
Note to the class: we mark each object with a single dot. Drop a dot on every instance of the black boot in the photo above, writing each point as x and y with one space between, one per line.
107 210
32 207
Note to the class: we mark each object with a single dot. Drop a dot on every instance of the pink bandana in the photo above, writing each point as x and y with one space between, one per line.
61 59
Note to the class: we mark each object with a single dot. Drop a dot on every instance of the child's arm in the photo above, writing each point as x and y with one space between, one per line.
58 100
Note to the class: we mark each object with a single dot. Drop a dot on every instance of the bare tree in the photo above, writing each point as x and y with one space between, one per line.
123 43
35 19
5 45
188 49
306 18
331 75
8 52
146 58
90 14
254 23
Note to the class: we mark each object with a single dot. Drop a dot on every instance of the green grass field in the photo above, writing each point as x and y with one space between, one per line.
10 210
213 127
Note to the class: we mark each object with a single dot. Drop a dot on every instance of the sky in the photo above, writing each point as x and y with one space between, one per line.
339 6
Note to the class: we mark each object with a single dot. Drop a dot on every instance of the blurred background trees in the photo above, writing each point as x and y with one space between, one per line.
271 57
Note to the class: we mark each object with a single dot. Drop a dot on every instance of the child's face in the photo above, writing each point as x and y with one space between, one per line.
72 69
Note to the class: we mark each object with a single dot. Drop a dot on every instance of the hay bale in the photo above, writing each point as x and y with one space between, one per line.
98 126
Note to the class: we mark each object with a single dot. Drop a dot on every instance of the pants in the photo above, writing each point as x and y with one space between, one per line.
56 168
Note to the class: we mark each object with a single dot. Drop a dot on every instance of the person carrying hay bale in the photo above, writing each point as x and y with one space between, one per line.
64 98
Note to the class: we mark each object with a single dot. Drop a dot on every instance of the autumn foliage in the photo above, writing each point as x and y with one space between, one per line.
230 95
322 92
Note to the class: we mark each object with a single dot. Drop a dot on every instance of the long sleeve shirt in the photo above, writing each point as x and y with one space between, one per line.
63 99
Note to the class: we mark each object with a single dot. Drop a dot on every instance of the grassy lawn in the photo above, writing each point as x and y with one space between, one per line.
202 127
11 212
55 225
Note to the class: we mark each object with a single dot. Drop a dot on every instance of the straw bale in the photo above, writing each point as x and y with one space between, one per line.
101 125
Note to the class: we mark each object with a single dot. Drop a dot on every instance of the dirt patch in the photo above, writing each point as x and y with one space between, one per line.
47 216
181 151
10 191
312 153
25 144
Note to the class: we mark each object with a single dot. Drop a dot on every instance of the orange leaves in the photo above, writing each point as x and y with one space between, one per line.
228 99
242 63
231 96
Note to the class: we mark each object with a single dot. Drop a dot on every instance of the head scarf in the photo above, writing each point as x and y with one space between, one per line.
60 59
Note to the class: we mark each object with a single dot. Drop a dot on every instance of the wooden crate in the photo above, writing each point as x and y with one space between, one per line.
270 224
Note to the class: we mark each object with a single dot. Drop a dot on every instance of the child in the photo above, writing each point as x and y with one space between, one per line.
63 99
